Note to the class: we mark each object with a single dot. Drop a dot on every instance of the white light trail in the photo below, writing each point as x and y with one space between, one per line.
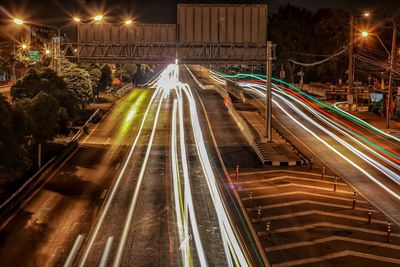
387 172
132 207
107 204
338 127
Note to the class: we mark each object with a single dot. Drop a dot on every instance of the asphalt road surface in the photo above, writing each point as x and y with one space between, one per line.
45 228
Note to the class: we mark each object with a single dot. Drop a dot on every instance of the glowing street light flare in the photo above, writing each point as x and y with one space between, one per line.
18 21
367 14
364 34
128 22
77 19
98 18
47 52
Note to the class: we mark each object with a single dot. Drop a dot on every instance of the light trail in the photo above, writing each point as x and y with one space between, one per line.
340 128
232 246
336 110
132 206
233 252
110 198
282 95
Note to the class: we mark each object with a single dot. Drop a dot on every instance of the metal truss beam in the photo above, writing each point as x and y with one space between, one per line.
154 53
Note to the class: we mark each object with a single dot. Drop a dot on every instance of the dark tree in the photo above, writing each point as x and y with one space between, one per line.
106 77
43 112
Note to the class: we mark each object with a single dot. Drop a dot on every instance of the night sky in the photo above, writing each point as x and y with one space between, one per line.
163 11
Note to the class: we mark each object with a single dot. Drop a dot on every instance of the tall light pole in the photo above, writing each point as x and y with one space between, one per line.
350 71
268 96
392 58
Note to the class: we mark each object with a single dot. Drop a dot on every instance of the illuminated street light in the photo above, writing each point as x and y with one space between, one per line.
128 22
364 34
18 21
76 19
98 18
47 52
367 14
24 46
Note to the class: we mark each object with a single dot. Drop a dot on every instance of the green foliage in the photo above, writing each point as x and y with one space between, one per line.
78 84
126 72
21 120
13 154
94 71
106 77
62 121
43 112
45 80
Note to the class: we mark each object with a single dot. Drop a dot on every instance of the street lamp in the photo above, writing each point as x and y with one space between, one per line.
128 22
366 34
98 18
392 56
77 19
18 21
367 14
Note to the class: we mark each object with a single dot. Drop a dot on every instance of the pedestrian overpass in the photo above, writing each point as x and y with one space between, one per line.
204 34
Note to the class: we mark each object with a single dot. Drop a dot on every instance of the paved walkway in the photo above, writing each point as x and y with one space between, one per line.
313 222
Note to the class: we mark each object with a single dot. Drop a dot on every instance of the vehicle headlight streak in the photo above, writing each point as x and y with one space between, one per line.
226 228
233 251
135 196
339 111
335 125
184 207
107 204
393 176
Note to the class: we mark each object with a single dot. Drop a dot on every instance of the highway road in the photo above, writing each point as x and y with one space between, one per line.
147 187
45 228
365 157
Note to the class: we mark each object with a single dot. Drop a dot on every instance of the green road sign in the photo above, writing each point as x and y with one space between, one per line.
33 55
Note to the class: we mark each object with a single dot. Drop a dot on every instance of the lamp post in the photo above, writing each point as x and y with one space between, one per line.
391 58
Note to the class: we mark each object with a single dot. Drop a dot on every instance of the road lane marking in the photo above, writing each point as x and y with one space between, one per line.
328 225
316 212
274 186
329 239
74 251
310 202
106 253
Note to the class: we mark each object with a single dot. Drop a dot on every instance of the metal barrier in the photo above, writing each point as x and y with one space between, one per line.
81 130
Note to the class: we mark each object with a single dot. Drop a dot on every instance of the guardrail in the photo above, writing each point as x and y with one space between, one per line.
244 127
82 129
38 178
7 208
123 90
236 92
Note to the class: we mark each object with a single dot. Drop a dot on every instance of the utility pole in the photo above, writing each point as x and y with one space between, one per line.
268 98
392 59
351 77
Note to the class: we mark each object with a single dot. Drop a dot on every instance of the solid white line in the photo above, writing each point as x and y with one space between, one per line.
128 221
106 253
74 251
